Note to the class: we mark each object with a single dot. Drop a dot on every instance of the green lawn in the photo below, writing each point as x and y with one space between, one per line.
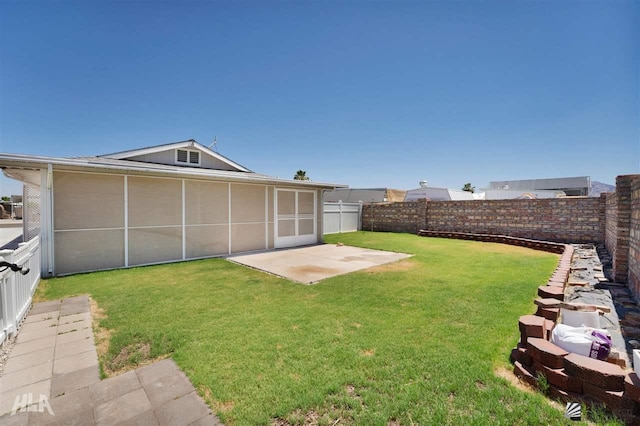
415 342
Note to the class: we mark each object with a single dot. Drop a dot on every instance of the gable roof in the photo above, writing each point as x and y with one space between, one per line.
11 163
21 167
191 143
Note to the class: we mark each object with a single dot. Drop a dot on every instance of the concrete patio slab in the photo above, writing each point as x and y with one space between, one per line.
312 264
61 367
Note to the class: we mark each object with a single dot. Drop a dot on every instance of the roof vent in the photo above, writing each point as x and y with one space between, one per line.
423 183
187 156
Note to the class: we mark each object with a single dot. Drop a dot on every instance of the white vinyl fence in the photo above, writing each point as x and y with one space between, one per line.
341 217
16 290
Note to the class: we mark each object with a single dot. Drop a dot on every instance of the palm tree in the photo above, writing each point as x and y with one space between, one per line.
301 175
467 187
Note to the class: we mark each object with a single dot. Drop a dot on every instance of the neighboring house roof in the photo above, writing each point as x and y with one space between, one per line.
570 185
17 166
364 195
438 194
508 194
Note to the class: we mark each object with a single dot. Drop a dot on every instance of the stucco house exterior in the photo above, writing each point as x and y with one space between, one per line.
159 204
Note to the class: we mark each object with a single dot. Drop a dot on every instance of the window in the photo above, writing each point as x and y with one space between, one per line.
186 156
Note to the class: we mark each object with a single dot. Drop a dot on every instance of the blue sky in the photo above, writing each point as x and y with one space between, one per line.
365 93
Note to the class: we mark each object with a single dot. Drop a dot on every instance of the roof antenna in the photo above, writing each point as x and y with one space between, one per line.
214 144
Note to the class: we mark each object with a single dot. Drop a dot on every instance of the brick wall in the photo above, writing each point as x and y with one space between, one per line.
617 227
611 222
561 220
394 217
612 218
634 239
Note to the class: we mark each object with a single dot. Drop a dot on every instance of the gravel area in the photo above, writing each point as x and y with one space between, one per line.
5 349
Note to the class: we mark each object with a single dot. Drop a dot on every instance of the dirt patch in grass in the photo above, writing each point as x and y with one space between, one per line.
335 412
130 357
310 418
512 379
401 265
101 335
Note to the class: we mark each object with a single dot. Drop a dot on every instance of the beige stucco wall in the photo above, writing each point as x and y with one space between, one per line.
94 228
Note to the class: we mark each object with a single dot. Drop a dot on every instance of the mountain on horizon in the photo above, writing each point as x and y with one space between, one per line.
598 187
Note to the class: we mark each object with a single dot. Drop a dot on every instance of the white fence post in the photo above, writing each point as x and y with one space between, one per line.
16 290
8 296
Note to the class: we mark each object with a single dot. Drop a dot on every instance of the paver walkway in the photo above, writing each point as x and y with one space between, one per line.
54 367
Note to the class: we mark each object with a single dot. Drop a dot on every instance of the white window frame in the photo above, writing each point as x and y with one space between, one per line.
189 151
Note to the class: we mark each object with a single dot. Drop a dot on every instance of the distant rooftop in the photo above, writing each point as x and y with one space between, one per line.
364 195
438 194
572 186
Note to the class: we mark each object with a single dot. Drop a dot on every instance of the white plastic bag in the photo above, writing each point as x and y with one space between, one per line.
587 341
580 318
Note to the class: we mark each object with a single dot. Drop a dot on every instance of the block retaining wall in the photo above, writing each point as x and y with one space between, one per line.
571 377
